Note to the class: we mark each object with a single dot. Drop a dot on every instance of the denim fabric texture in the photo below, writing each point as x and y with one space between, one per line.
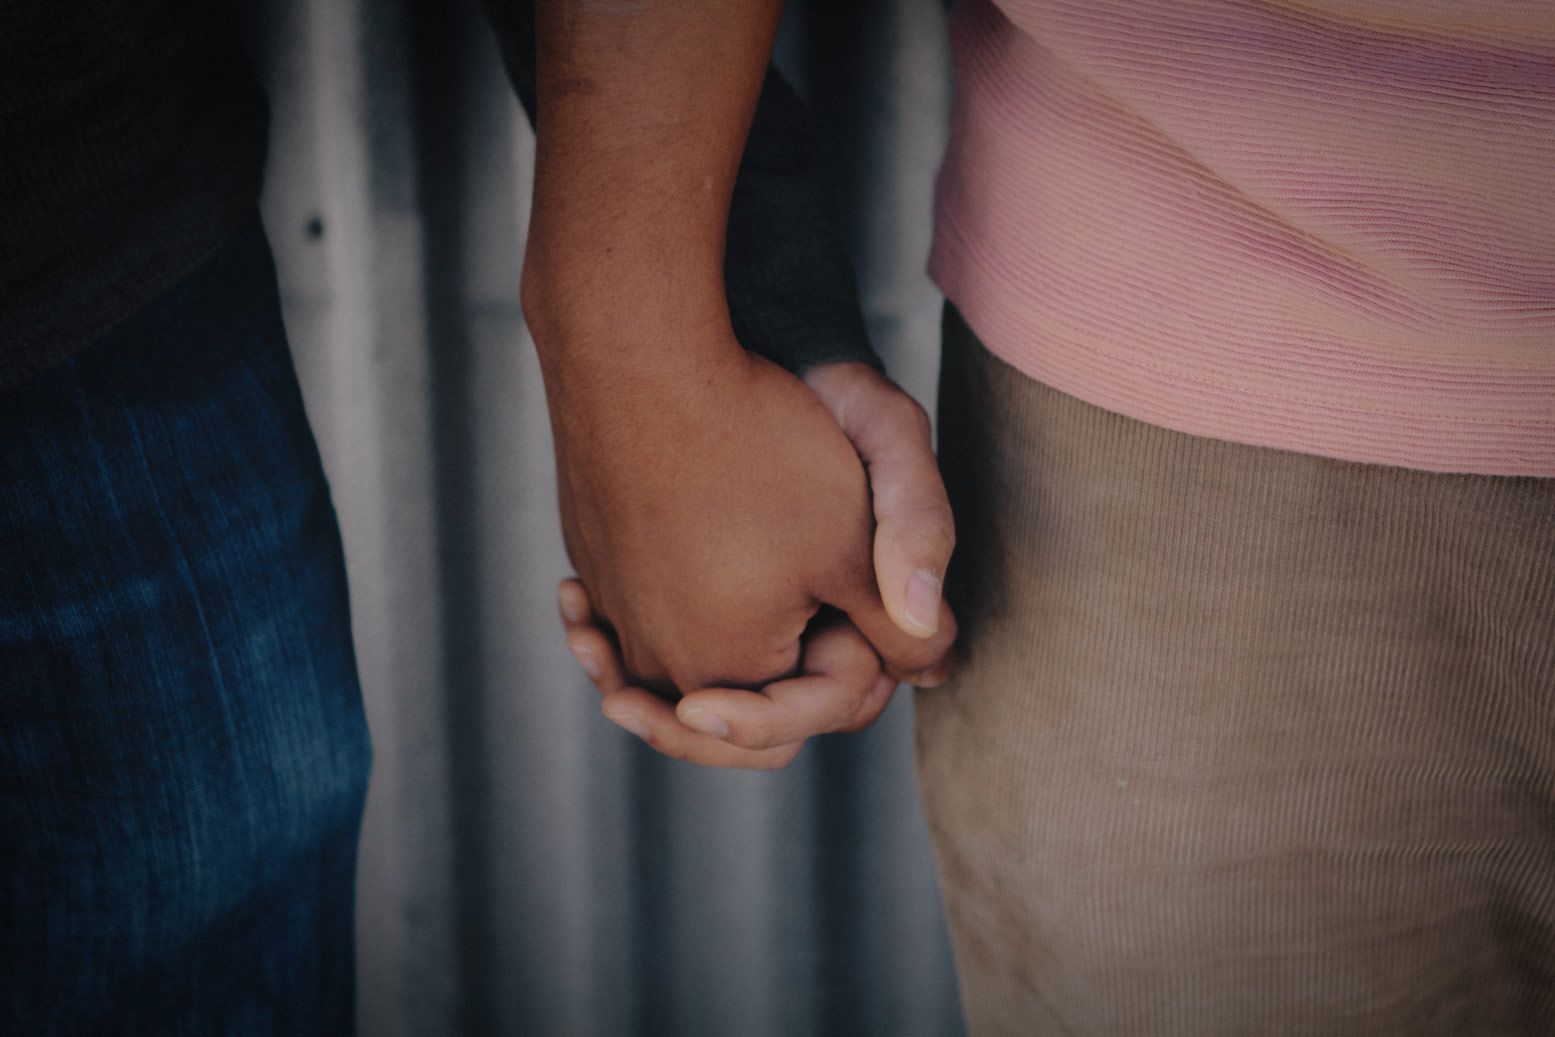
183 753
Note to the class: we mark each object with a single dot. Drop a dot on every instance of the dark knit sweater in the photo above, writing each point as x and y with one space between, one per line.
132 143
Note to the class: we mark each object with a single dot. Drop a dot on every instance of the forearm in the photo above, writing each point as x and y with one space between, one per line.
643 111
788 278
710 502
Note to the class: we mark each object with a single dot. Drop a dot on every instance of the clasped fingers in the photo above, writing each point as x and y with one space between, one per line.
840 688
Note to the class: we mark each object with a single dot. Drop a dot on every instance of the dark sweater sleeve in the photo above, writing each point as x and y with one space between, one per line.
790 285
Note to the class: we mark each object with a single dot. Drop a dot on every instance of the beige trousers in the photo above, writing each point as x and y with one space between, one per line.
1243 741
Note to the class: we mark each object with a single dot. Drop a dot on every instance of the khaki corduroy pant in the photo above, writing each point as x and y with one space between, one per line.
1242 740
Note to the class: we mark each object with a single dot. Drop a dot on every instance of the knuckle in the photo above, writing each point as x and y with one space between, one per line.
854 708
934 530
869 708
901 409
860 720
927 527
754 736
856 717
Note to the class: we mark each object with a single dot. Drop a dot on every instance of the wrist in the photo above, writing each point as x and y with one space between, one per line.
615 309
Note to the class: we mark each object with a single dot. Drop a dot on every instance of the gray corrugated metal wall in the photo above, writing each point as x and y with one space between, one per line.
525 868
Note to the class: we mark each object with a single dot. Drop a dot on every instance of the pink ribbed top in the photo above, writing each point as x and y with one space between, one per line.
1327 227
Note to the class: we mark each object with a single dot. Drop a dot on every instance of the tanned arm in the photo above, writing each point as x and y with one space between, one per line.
710 502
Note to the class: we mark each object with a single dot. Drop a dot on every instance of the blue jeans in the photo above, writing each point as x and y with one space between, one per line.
183 754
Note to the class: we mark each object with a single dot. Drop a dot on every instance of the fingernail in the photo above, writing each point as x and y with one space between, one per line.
627 720
586 659
574 610
705 721
923 602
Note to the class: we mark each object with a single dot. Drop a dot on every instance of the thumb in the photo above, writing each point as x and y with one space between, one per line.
915 532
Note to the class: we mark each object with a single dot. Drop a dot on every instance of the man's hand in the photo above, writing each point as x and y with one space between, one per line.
841 686
710 502
714 509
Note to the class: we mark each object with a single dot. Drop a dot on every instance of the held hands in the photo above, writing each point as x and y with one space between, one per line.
710 501
840 688
841 685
